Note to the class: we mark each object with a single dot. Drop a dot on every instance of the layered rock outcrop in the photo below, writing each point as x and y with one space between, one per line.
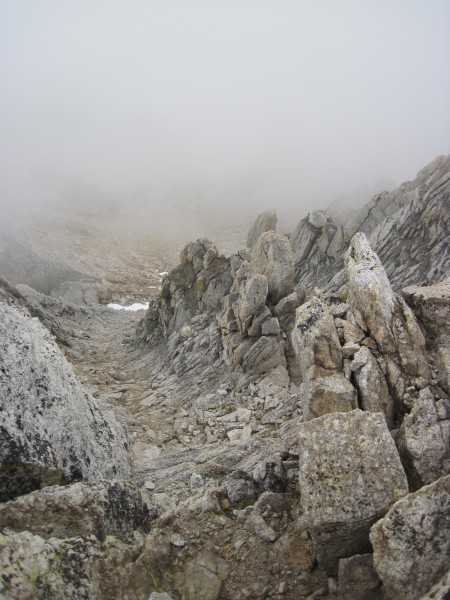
407 228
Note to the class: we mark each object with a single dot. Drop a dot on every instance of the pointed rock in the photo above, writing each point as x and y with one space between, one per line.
384 317
272 257
266 221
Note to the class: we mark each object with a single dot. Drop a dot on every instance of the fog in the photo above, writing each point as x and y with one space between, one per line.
238 104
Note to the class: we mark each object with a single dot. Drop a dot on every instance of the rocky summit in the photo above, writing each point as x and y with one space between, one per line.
276 424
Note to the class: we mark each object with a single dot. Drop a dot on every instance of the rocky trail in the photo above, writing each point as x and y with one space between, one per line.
275 425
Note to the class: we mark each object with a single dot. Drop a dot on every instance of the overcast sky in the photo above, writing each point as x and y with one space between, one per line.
282 102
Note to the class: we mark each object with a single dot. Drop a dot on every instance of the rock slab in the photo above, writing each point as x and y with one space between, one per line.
349 474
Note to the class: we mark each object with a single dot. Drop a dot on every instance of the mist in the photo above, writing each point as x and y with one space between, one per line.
234 106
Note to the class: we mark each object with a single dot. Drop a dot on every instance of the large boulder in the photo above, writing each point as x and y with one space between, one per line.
266 221
316 345
107 508
272 257
52 430
411 544
350 474
72 568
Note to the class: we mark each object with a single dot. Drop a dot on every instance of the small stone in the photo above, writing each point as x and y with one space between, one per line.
196 482
350 349
240 436
186 332
332 585
369 343
149 485
359 360
318 218
339 310
421 383
177 541
282 588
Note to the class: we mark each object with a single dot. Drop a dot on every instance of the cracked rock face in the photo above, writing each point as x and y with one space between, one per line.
411 543
386 319
51 429
407 227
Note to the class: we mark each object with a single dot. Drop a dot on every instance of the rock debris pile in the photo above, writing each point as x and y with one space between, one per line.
277 425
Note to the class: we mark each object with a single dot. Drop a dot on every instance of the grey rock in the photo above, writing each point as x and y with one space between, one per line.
271 327
372 386
318 218
266 221
431 306
314 337
383 316
285 309
327 392
349 349
196 482
240 491
272 257
203 578
255 329
417 213
316 345
423 442
52 429
23 262
252 300
440 590
256 524
358 578
70 568
350 474
411 543
265 354
107 508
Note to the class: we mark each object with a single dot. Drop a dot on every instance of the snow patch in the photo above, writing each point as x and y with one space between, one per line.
132 307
